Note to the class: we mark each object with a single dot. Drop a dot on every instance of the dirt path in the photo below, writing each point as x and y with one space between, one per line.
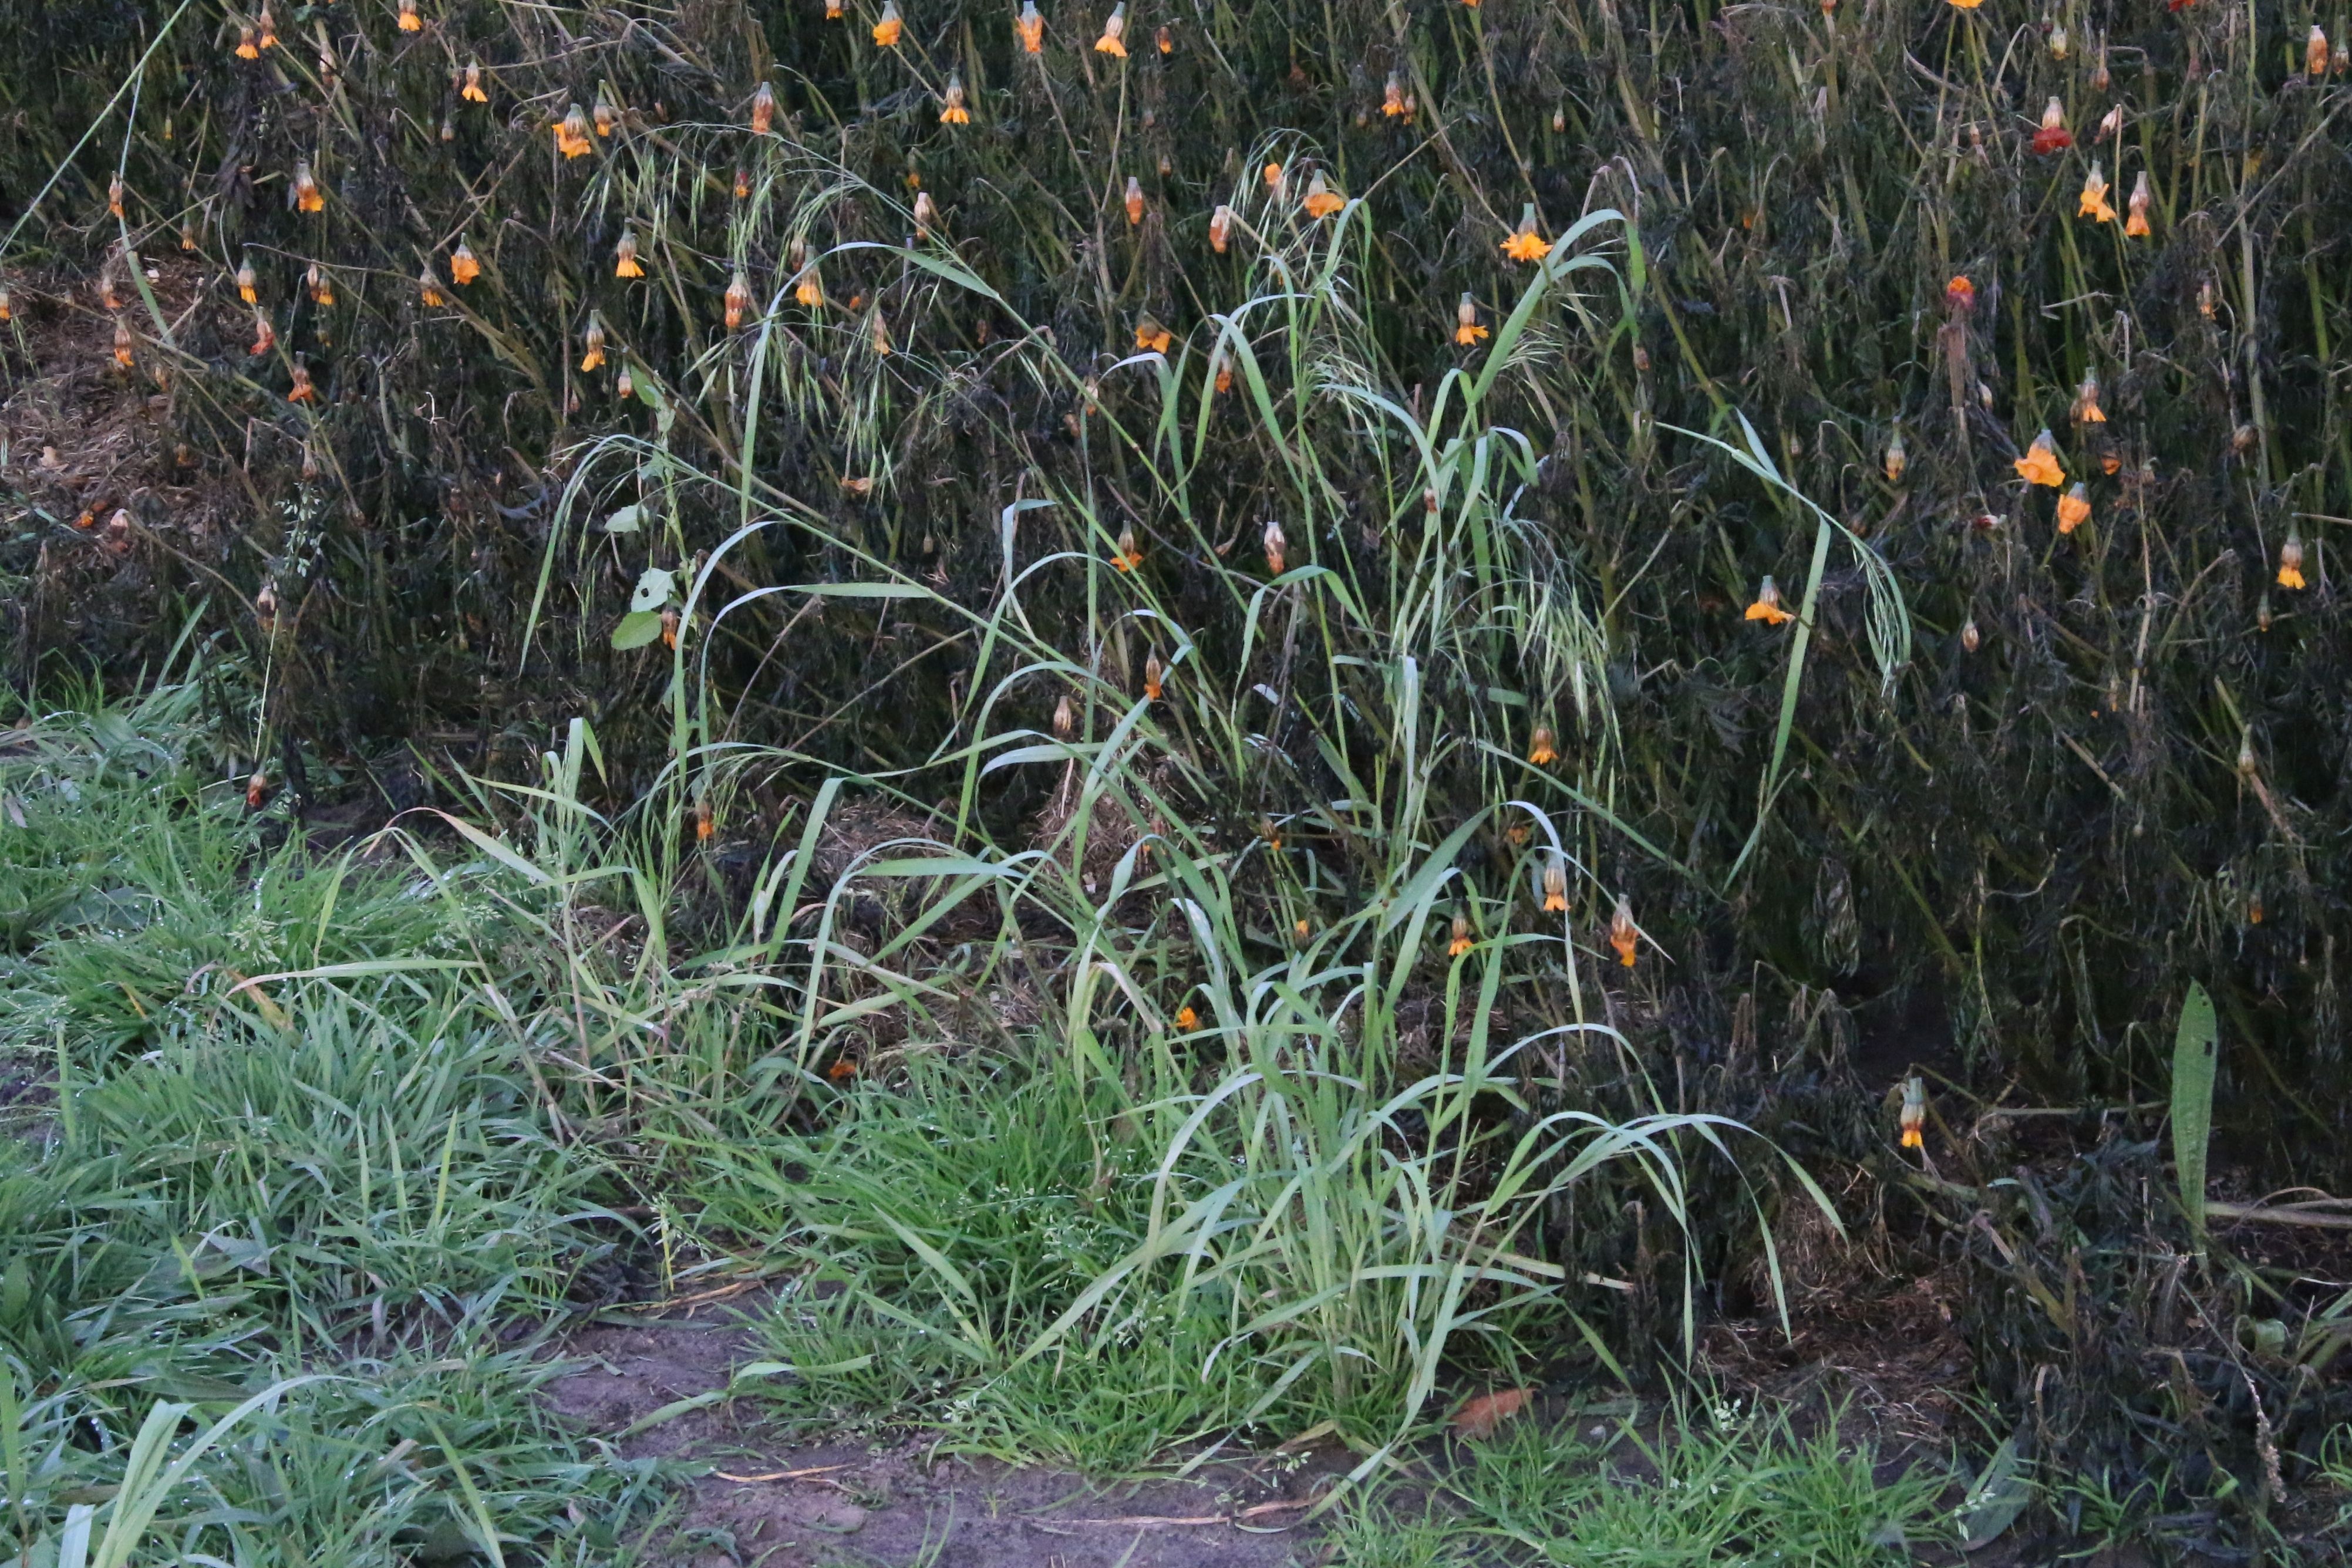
771 1503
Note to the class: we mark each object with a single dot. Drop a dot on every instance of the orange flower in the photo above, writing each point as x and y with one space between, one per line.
739 299
1623 935
1466 330
1222 378
265 335
2135 225
2315 53
463 266
1030 27
764 109
743 181
668 627
303 391
1128 557
1165 39
2053 136
1155 679
248 285
1966 5
2094 203
2290 571
809 291
1395 102
122 343
410 22
887 30
1134 200
572 133
704 824
1915 1113
1221 228
1766 607
1527 243
7 310
114 195
1149 334
881 334
1114 33
1276 545
2040 464
188 236
428 287
952 110
1541 751
1555 888
1960 295
1321 200
1299 929
1186 1018
473 91
843 1070
246 48
624 258
256 789
1897 459
834 10
1460 942
2087 410
606 116
625 387
308 197
594 346
2073 508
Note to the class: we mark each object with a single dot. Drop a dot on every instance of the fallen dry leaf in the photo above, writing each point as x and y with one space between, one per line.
1481 1414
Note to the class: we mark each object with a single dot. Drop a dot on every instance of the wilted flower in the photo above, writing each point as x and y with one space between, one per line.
1897 459
428 287
265 335
606 115
2315 53
1915 1112
122 344
1154 677
2087 410
764 109
114 195
1969 636
1397 104
1221 228
2040 464
303 391
1134 200
2053 136
881 334
739 299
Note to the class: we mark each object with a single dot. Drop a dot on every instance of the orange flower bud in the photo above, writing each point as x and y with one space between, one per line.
1276 545
1221 228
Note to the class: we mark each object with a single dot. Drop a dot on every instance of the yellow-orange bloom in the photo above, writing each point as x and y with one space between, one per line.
952 110
2094 203
1555 888
1321 200
764 109
1134 200
2086 409
114 193
410 22
248 285
606 115
1149 334
2073 508
810 291
1897 459
267 23
1186 1018
1114 33
1915 1112
308 197
1154 677
1460 943
1766 607
122 344
1527 243
1395 102
247 47
1031 27
1221 228
428 287
1542 750
2290 571
1623 935
887 30
2135 225
739 299
572 133
593 346
624 258
2315 53
1466 330
463 266
303 391
1273 173
322 287
473 91
2040 464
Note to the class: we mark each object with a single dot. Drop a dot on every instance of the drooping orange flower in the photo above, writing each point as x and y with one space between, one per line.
1527 243
473 91
256 789
705 824
1897 459
592 345
248 286
834 10
1149 334
1134 200
2053 136
952 110
881 334
739 299
1960 295
2040 464
1395 102
1154 676
2315 53
1186 1018
2135 224
114 193
810 291
606 114
1555 887
307 196
1766 607
410 22
888 30
463 266
2094 203
1220 377
764 109
1129 556
743 181
2073 508
1459 942
265 335
1542 752
188 236
428 287
1914 1119
1276 545
843 1070
303 391
624 385
7 309
1166 38
2290 571
625 257
1031 27
1321 200
248 47
2086 409
1273 176
1221 227
1623 935
1114 34
1466 330
572 133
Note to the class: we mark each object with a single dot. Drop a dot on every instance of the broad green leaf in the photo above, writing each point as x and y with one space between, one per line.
637 629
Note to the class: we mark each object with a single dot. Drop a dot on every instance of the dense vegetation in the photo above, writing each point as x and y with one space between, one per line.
1579 569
